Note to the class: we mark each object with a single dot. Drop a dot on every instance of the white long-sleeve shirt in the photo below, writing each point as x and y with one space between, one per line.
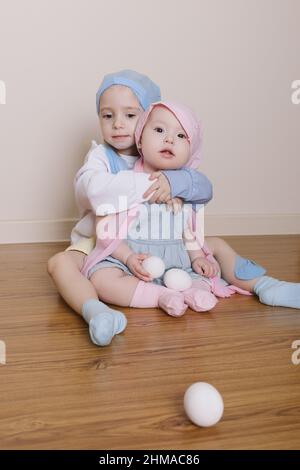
99 192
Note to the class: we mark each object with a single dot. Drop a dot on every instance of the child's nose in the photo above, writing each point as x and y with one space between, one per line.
118 122
169 139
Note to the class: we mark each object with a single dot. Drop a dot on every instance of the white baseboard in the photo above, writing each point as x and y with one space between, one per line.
36 231
252 224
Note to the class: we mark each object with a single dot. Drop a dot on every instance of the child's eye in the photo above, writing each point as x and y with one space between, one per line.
158 129
106 116
182 136
130 115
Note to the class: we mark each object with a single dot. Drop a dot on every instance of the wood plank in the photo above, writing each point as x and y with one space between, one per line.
59 391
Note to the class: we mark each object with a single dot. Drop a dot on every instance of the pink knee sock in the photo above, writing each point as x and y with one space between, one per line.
148 295
199 297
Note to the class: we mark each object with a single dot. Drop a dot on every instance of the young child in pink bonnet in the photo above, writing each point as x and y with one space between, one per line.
168 137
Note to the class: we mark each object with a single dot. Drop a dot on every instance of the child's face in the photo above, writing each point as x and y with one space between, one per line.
164 142
119 112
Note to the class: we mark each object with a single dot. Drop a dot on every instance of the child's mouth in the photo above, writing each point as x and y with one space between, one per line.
167 153
120 137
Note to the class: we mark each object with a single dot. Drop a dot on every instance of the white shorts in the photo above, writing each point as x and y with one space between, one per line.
85 245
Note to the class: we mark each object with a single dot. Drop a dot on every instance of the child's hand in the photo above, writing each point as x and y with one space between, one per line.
204 267
161 189
175 204
134 263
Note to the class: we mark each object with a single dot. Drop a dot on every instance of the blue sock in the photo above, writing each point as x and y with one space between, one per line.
104 322
278 293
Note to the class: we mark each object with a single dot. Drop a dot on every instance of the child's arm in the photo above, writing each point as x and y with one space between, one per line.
124 254
132 260
197 256
104 193
188 184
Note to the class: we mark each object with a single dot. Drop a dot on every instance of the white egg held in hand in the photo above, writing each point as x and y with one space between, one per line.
177 279
154 266
203 404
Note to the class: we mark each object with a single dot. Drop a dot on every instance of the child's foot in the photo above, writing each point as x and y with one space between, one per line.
172 303
278 293
104 322
104 326
200 300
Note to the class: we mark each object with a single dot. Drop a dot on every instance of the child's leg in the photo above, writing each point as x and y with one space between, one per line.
116 287
75 289
269 290
226 257
80 294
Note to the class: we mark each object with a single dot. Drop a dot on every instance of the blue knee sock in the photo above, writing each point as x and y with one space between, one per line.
278 293
104 322
246 269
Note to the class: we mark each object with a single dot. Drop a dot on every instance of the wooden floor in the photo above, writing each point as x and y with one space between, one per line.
59 391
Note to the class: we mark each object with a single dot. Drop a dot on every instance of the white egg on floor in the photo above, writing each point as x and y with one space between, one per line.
154 266
177 279
203 404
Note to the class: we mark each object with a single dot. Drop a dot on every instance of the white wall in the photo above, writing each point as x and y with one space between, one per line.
233 61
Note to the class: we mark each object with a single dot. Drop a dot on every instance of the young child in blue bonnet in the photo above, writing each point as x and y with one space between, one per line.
106 184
